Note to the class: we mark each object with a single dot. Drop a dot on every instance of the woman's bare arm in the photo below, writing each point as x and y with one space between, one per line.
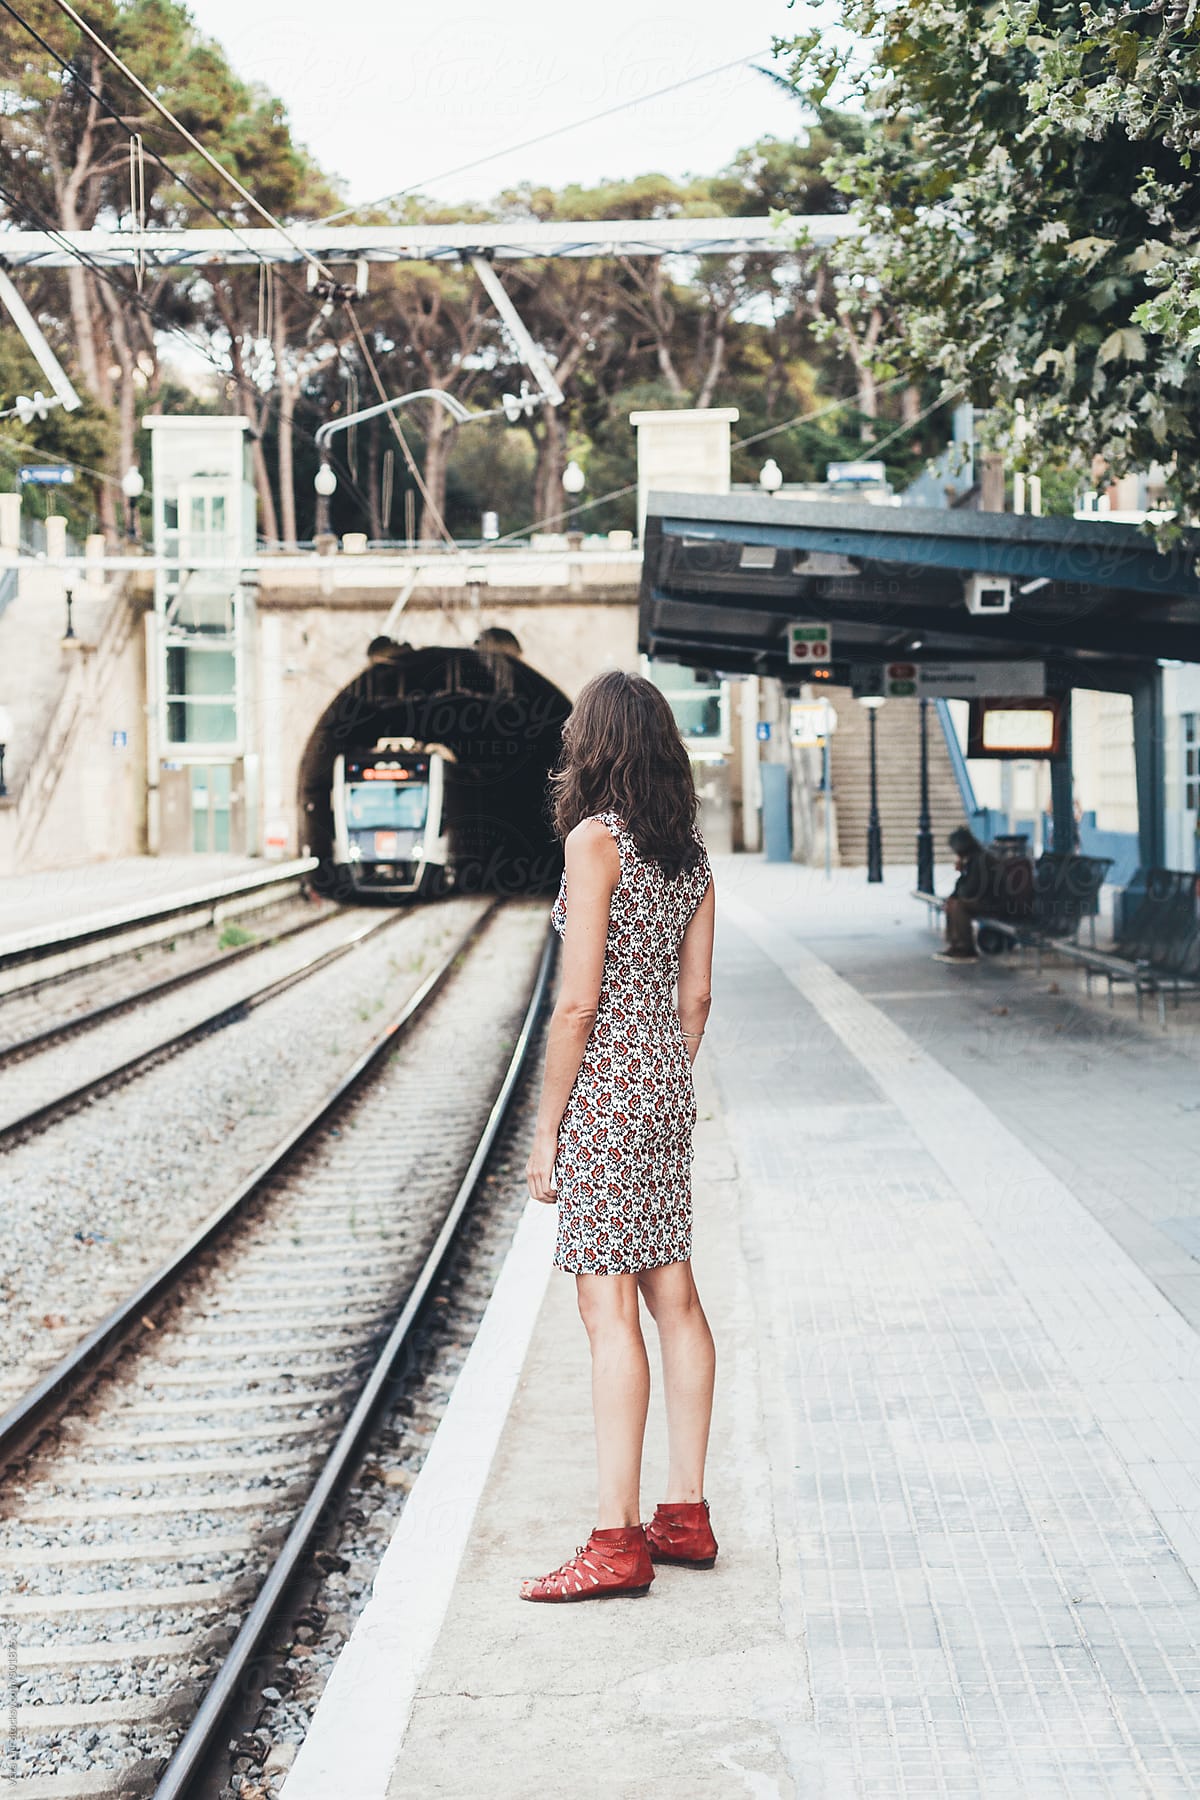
695 971
593 870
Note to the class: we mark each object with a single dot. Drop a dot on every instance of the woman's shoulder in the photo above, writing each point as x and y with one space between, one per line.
596 827
595 836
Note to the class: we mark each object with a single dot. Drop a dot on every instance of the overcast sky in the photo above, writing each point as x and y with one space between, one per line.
391 96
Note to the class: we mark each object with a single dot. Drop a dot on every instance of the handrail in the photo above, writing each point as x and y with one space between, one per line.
958 762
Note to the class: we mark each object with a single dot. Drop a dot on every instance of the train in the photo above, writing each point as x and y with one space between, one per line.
390 835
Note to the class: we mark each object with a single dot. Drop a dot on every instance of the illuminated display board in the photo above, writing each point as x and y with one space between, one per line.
411 769
1008 728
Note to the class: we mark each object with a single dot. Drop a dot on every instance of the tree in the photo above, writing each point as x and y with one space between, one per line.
81 438
1031 214
65 159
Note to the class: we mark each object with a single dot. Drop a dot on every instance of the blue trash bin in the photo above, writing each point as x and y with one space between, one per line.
776 811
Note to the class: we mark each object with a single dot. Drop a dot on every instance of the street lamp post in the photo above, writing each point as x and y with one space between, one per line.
924 825
873 702
133 487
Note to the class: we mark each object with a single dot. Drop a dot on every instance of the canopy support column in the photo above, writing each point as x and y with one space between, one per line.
1062 793
1149 735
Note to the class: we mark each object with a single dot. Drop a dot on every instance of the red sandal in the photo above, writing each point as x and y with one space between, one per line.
680 1532
612 1562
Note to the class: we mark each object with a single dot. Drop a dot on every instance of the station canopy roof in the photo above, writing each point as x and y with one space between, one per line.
1098 602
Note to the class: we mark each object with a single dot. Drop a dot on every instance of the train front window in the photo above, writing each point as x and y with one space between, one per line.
386 806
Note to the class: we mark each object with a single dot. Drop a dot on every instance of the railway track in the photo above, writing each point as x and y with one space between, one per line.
151 1535
104 991
38 1088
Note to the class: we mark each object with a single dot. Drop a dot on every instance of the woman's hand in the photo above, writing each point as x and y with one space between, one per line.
539 1170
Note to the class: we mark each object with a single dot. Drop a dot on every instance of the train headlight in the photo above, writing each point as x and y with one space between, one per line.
356 853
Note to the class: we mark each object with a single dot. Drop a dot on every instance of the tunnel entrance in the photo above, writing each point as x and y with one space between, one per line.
501 720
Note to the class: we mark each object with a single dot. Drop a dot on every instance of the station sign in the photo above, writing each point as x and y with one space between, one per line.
47 474
963 680
960 680
810 722
808 644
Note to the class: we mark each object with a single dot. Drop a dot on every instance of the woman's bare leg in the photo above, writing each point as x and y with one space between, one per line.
608 1305
689 1366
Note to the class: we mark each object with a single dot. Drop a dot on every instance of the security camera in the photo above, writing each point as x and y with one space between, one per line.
987 594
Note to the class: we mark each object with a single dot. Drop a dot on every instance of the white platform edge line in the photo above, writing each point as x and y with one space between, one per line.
1117 1334
362 1717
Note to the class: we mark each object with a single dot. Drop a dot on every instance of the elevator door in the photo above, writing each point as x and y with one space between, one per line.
200 807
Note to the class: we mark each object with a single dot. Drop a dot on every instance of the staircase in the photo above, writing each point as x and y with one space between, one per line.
899 786
52 688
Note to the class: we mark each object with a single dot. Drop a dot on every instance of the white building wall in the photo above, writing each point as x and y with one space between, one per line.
1102 756
1181 697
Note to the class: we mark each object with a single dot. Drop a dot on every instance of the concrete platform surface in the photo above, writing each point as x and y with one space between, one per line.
948 1233
43 904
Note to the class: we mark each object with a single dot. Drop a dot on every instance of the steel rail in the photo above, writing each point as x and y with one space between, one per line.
96 1015
24 1422
48 1110
190 1756
32 948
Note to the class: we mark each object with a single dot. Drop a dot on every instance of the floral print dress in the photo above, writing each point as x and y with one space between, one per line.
624 1161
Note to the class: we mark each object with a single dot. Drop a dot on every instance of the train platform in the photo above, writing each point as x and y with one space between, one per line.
948 1234
68 903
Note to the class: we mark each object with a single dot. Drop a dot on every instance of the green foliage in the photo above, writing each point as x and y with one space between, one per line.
622 333
1032 215
81 438
235 937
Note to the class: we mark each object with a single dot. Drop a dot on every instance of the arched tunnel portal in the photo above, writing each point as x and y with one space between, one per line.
502 720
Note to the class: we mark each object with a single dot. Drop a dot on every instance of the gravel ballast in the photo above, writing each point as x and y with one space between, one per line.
99 1200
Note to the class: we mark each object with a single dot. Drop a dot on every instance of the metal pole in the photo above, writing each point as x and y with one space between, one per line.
321 521
30 330
924 827
70 631
3 788
825 788
874 832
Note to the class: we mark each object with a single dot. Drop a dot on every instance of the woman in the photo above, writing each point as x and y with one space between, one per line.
613 1140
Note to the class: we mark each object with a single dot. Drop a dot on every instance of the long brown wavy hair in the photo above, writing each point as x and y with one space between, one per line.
622 753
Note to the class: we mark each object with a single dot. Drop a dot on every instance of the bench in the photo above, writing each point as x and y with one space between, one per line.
1066 890
1158 949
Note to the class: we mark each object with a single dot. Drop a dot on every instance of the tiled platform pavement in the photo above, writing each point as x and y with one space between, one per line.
957 1457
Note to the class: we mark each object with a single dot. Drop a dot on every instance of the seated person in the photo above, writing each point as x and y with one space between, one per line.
989 887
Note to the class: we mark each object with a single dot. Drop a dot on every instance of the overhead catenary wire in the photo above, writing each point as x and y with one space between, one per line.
807 418
267 273
434 511
263 211
226 223
266 268
250 199
30 213
18 447
189 138
542 137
